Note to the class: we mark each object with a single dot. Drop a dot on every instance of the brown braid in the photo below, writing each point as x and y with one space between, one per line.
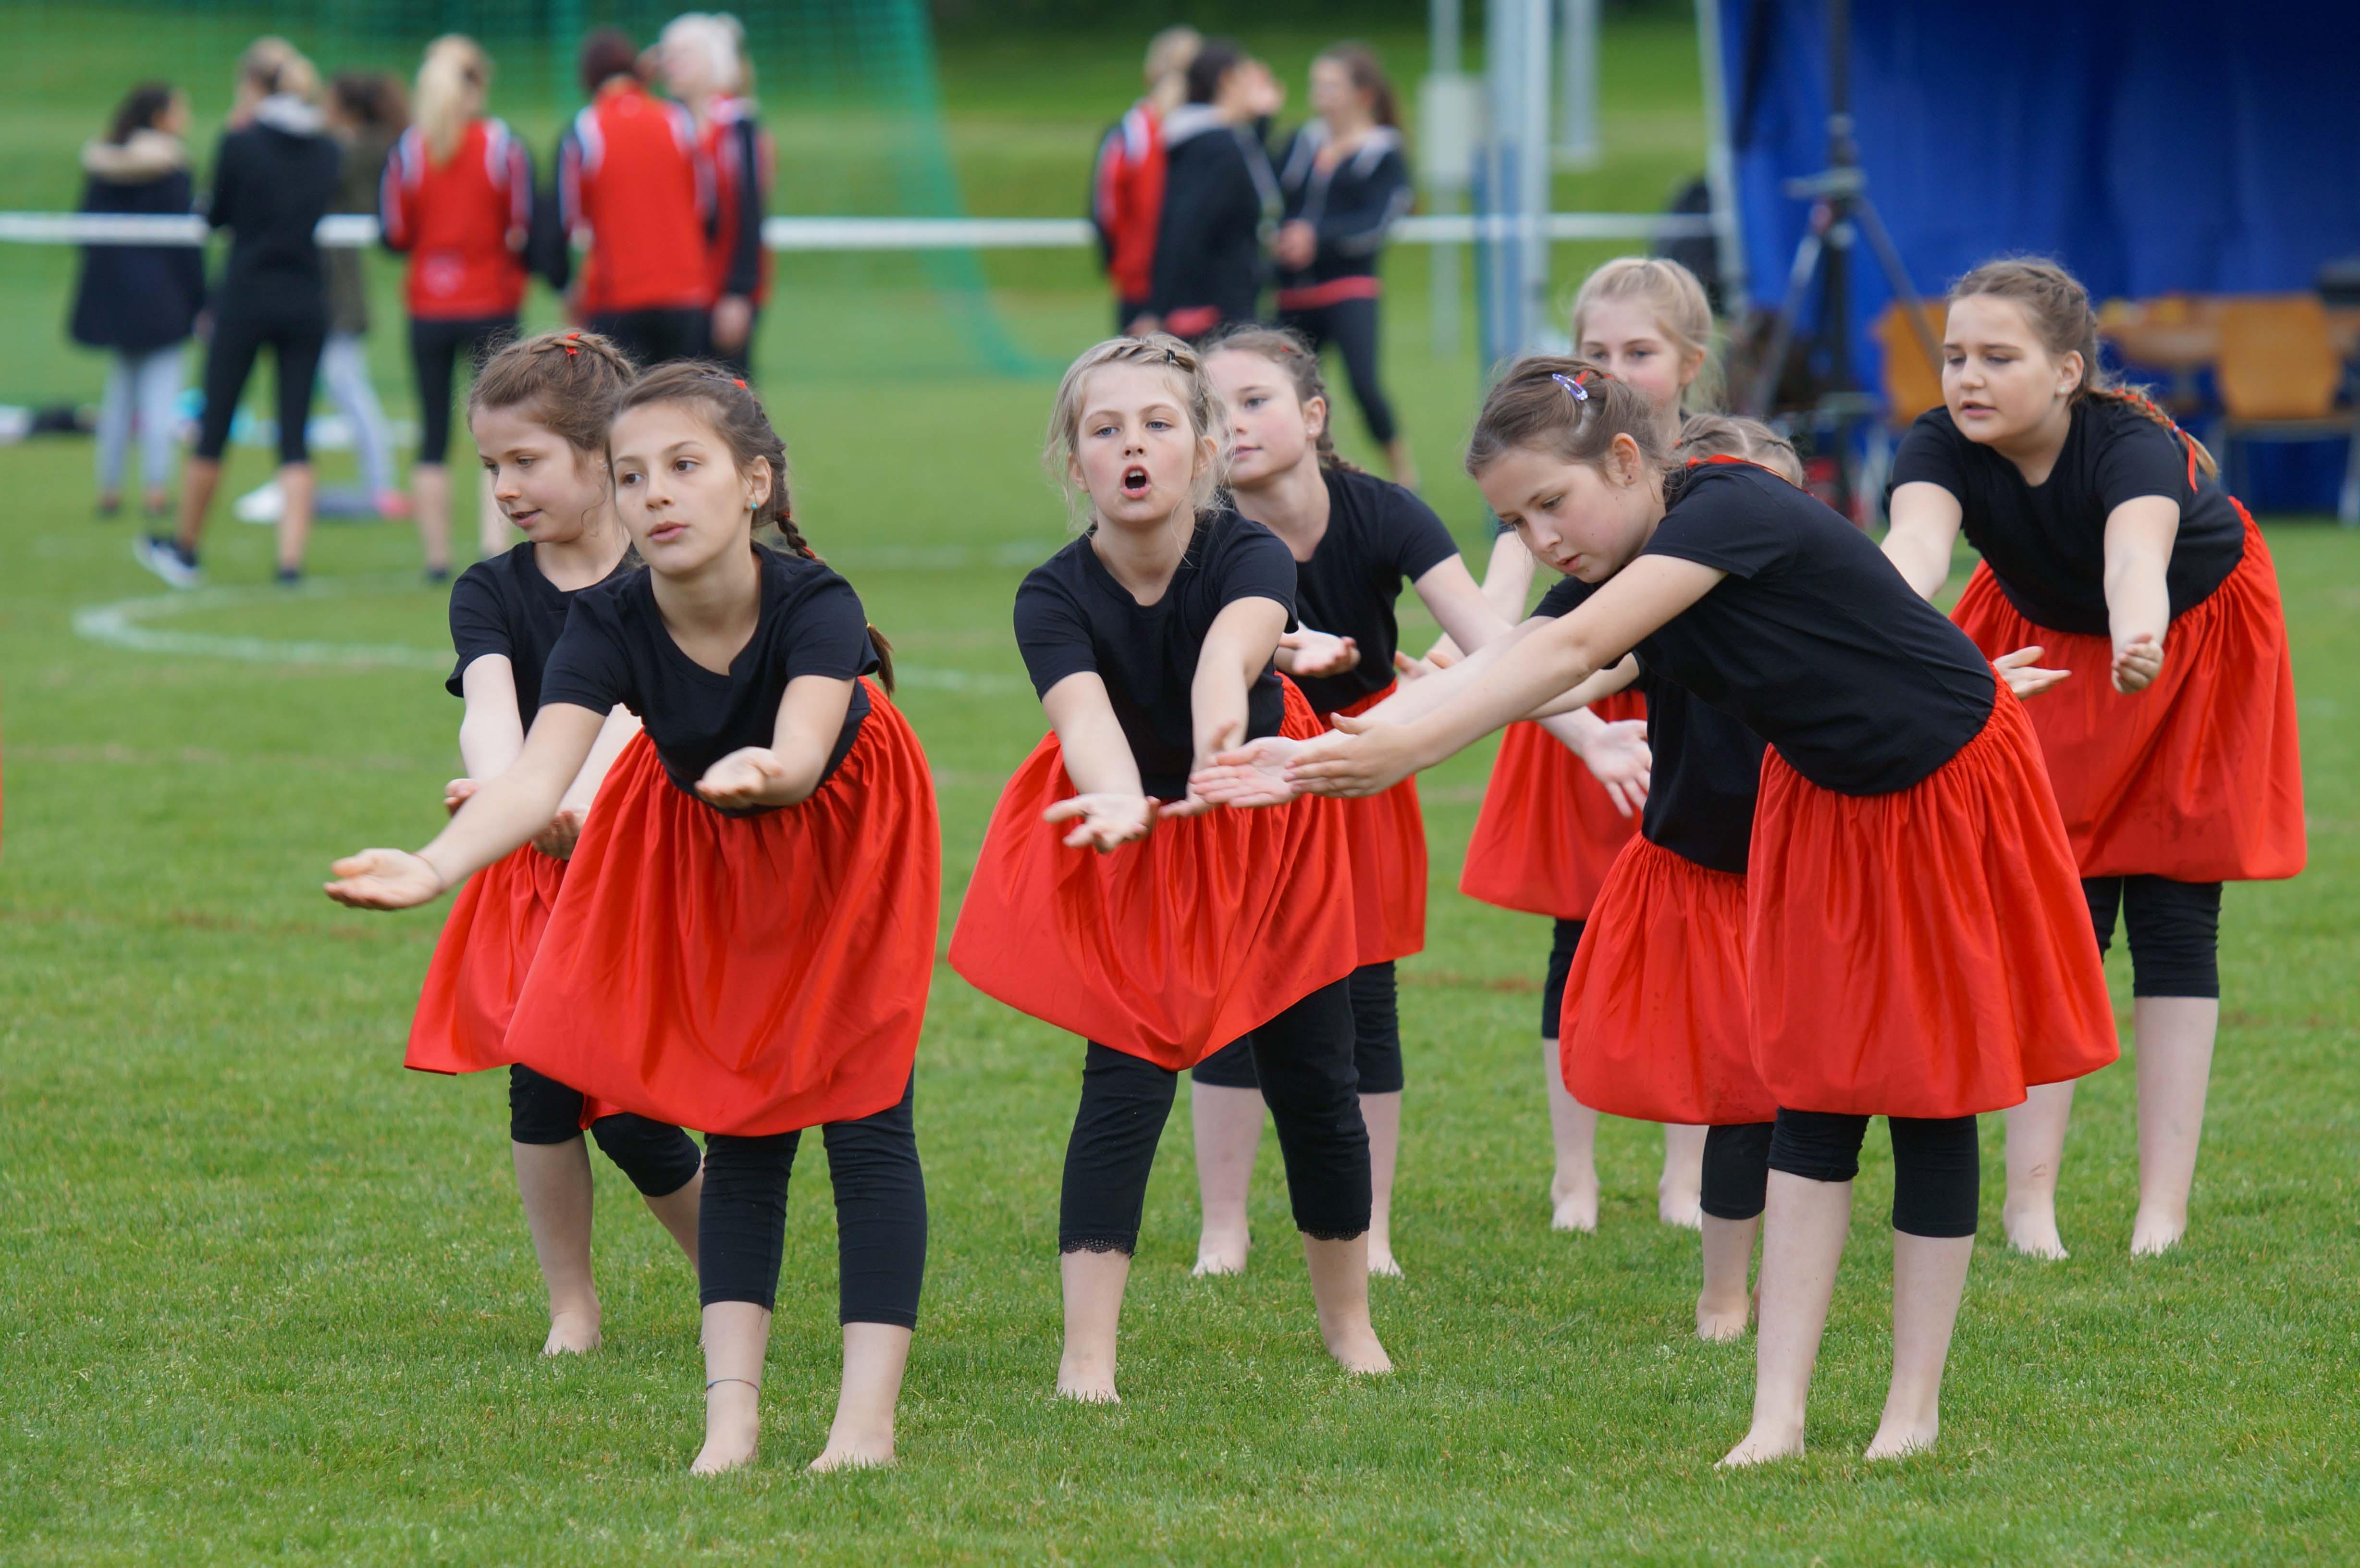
737 417
1291 351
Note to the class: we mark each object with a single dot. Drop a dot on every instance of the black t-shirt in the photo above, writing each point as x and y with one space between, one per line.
1813 640
1378 536
505 605
1072 616
1707 765
2047 543
616 650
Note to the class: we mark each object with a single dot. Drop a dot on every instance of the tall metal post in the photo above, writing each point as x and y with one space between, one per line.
1446 185
1576 129
1514 186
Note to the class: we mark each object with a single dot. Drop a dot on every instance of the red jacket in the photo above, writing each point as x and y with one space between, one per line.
743 167
1127 201
631 173
463 222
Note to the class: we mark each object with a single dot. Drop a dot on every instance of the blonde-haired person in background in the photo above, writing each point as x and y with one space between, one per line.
1127 184
702 56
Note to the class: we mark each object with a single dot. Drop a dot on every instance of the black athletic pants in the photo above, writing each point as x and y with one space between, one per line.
295 333
1303 1059
657 1157
651 337
1351 326
435 349
1563 939
880 1216
1376 1039
2175 932
1937 1172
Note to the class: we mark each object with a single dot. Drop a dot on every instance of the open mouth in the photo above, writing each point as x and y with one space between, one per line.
664 533
1134 482
524 519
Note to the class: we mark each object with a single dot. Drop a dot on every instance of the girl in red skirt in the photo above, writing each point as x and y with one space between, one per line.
538 414
2107 538
1549 829
1916 947
747 928
1355 539
1151 641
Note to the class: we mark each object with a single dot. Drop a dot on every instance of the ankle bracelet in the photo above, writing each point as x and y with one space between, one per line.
747 1381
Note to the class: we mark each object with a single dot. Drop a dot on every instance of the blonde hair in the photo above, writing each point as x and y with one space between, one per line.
258 63
1682 312
2058 308
719 37
1061 453
451 81
1169 51
1734 435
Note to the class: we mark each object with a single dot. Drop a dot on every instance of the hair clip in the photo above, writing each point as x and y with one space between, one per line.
570 339
1580 393
737 384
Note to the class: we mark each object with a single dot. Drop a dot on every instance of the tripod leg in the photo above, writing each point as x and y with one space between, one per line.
1888 256
1782 332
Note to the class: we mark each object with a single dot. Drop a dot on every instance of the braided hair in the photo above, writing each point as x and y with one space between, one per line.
1567 408
731 408
1291 351
569 381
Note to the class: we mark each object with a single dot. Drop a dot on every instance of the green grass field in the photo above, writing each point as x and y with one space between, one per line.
263 1296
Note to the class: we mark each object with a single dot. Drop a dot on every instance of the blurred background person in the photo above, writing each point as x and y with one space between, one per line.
367 111
457 199
703 58
1220 197
139 302
634 183
1127 182
273 180
1344 177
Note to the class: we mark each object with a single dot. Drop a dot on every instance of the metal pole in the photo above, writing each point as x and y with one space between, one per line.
1444 26
1720 159
1577 136
1535 165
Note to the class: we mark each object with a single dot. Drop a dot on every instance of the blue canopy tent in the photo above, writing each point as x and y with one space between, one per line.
2154 147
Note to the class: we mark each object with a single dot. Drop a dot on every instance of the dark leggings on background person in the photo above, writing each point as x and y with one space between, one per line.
1376 1039
1736 1170
2174 927
1302 1060
657 1157
880 1216
654 337
434 349
1351 326
1563 939
1937 1167
295 338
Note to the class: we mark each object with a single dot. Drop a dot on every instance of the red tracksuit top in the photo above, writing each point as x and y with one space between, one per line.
631 172
463 222
1127 201
744 162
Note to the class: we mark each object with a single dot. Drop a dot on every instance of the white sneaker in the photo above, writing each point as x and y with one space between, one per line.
163 557
266 504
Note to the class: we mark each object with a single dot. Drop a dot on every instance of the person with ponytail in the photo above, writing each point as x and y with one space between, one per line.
457 199
1109 900
539 415
703 55
746 932
1345 179
1916 944
2107 540
1355 539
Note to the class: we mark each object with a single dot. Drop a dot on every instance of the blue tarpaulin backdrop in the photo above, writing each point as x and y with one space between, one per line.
2152 147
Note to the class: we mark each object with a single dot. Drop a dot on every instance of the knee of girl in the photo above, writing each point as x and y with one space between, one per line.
659 1158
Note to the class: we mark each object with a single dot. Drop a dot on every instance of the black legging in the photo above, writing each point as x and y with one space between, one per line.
2175 932
880 1216
296 331
1937 1168
1736 1169
1376 1039
657 1157
1303 1061
434 349
1563 939
1351 326
653 337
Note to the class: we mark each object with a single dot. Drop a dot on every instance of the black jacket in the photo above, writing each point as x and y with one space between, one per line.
1352 206
273 182
137 299
1219 196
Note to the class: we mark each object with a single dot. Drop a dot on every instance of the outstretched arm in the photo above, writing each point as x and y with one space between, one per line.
1109 801
1237 648
2139 536
786 772
1925 525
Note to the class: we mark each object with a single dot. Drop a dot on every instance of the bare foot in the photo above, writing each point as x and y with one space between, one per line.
1719 1321
1085 1380
1356 1350
1680 1207
1575 1203
1895 1438
2032 1231
2153 1232
1381 1260
1762 1445
733 1426
847 1454
574 1332
1219 1253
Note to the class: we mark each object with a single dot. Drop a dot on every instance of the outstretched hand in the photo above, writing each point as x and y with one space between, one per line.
2025 678
1106 819
1354 758
2138 662
1619 758
742 779
1252 775
1320 653
384 879
564 830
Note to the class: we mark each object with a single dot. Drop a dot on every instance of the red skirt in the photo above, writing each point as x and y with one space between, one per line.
1656 1026
1170 948
1387 836
480 963
2199 777
1547 832
1925 952
744 974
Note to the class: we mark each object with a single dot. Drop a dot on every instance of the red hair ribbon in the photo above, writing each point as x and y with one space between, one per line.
570 339
737 384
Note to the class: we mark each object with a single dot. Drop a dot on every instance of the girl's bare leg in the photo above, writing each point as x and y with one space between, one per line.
2174 1040
1382 1114
1094 1284
1228 1124
736 1338
553 1180
875 1356
1929 1276
1573 1126
1802 1241
1724 1304
1680 1190
2035 1155
1340 1289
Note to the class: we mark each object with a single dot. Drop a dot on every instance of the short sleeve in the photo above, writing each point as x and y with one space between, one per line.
2138 457
1052 634
1929 454
479 626
1254 563
1569 595
824 631
1416 540
587 668
1722 519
